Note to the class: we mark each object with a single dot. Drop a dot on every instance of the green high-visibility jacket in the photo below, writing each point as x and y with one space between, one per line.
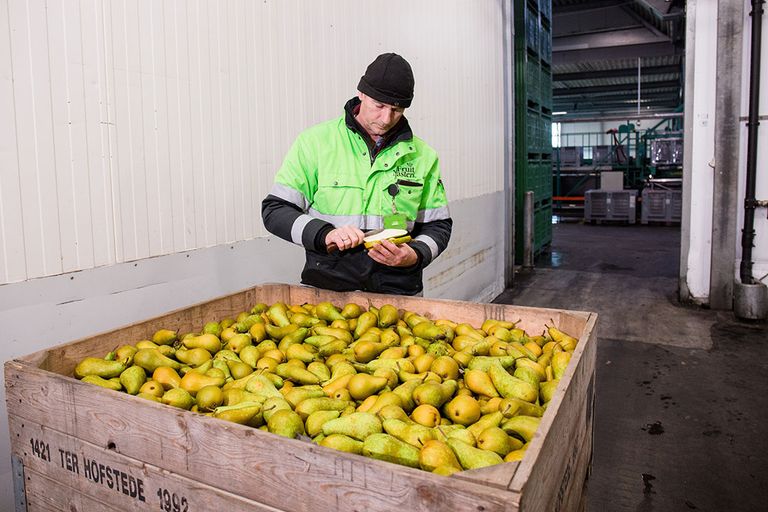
329 179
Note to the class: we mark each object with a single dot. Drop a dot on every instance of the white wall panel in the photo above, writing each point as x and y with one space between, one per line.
13 264
699 141
142 128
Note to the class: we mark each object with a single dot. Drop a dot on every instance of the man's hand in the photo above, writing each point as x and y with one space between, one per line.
393 255
343 238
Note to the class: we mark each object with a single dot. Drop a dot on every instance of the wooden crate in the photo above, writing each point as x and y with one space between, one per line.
79 447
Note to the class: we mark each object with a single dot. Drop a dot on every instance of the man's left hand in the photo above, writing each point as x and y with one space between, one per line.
393 255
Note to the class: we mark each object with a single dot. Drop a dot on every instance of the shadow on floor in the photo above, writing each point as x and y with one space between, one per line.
681 392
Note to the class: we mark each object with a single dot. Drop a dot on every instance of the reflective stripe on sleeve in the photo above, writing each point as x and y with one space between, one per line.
291 195
297 229
430 243
431 214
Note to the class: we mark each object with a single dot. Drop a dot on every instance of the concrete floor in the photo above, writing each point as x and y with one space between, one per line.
681 403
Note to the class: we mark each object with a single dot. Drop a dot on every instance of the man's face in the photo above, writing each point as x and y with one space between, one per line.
375 117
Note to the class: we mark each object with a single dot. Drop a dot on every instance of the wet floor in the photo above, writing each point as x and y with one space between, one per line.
681 407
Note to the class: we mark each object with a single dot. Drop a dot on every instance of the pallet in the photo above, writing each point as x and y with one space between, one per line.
77 446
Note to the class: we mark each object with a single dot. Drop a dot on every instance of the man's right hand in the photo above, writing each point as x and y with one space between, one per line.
343 238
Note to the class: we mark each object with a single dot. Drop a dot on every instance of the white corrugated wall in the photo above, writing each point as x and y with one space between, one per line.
138 138
132 129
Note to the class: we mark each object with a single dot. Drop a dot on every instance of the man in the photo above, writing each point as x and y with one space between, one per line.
363 171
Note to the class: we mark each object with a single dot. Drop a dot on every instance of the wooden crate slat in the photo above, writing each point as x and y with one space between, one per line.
69 456
248 462
545 479
50 495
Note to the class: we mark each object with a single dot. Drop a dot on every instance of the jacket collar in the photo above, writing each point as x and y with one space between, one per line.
400 132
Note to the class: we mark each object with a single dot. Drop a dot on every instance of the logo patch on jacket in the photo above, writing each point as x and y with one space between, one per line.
405 170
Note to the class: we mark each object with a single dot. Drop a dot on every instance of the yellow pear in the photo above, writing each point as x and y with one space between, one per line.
362 385
426 415
463 409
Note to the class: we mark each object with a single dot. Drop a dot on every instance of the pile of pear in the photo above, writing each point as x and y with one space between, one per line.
385 383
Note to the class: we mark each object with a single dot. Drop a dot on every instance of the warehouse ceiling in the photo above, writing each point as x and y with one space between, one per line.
597 47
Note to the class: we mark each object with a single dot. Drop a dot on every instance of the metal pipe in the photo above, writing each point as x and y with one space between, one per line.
748 232
638 86
528 230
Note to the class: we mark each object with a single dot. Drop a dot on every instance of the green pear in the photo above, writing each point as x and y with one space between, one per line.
125 354
192 382
486 421
364 322
323 403
99 367
261 385
305 320
209 342
392 411
239 369
296 337
529 375
351 310
386 398
164 337
388 315
278 314
473 458
244 413
315 421
178 397
484 363
250 355
358 425
336 346
386 447
296 374
408 432
238 342
246 323
300 393
342 443
278 333
480 383
193 356
547 390
320 370
362 385
405 392
523 427
301 352
273 404
132 379
104 383
428 331
227 355
514 406
560 363
509 386
333 331
209 398
496 440
434 393
435 454
286 423
151 359
328 312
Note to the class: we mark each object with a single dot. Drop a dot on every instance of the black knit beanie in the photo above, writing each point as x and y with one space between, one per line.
388 79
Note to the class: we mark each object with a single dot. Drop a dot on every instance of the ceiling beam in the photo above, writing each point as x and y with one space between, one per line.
615 73
569 91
